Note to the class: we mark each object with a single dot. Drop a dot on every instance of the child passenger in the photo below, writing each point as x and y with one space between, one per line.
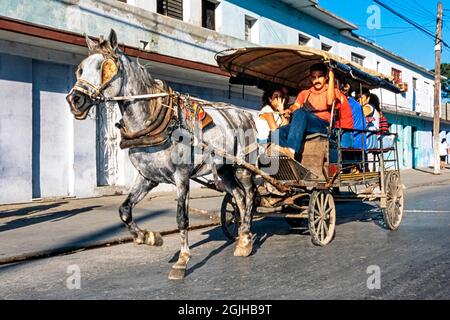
271 116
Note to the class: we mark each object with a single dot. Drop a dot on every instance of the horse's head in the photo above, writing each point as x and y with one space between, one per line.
98 76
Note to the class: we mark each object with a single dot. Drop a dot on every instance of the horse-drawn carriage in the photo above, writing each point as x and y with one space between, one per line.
305 190
162 127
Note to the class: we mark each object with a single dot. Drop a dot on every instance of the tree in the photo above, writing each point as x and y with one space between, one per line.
445 83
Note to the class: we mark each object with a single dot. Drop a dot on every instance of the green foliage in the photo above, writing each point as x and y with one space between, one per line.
445 71
445 84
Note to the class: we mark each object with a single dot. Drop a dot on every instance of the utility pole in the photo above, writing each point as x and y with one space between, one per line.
437 89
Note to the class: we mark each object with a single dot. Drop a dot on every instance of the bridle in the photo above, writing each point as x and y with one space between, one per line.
110 67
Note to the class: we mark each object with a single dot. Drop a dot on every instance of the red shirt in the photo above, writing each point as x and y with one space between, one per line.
345 119
318 100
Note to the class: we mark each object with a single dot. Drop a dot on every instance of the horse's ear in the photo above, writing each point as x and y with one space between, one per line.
113 39
90 43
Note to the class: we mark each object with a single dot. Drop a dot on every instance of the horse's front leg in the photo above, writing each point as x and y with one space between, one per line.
179 268
141 188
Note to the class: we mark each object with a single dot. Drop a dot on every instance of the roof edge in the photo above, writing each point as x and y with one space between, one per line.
353 36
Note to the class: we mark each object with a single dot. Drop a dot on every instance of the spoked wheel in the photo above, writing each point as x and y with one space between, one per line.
321 217
393 212
229 217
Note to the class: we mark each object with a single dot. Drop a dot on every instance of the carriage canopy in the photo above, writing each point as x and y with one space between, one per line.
289 66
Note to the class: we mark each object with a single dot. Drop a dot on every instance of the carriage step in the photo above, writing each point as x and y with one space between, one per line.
359 176
284 168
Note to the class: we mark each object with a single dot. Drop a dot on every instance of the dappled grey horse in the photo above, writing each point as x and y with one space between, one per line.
108 74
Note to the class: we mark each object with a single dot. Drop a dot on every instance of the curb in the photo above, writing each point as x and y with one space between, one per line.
22 258
428 184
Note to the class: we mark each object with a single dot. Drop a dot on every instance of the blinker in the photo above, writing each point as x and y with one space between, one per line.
109 70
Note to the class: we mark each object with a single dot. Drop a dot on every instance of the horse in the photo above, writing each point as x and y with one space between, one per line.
107 73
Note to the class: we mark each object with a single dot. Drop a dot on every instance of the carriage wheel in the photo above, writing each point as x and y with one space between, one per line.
229 217
393 212
321 217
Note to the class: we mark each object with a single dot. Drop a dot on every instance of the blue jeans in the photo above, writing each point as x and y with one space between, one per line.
303 123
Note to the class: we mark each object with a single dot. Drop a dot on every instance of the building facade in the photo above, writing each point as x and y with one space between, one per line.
45 153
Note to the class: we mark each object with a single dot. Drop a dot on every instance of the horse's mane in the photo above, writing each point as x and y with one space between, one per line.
144 73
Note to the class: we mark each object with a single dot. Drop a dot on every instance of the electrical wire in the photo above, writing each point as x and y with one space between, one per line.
418 26
415 11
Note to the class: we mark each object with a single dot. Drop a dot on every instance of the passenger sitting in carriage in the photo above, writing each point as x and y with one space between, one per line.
351 117
271 116
310 112
376 121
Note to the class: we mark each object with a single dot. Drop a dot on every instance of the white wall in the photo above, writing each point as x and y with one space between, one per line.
149 5
15 129
84 154
192 12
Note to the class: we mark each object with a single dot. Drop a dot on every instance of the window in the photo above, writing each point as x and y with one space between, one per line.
414 84
359 59
397 74
326 47
249 23
170 8
209 14
303 40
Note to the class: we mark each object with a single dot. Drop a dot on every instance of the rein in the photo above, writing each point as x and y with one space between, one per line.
158 123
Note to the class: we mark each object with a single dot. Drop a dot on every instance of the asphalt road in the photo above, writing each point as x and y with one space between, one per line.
413 262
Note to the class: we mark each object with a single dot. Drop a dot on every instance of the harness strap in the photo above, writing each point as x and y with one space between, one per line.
218 183
141 96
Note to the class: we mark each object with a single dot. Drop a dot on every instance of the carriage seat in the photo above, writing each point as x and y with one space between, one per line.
315 135
374 150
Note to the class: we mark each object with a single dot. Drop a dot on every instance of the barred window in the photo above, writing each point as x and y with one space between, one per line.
326 47
170 8
397 74
249 23
303 40
359 59
209 14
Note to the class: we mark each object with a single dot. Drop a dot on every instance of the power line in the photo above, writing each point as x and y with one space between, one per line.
394 27
411 9
423 8
389 34
411 22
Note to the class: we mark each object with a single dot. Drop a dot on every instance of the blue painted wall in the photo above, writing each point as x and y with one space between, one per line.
415 140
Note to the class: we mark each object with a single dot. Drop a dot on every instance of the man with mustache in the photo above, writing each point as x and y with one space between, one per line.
311 111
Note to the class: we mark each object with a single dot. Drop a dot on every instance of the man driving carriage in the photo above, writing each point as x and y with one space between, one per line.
311 111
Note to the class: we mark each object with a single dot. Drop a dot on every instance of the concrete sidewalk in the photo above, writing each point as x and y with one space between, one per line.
70 224
414 178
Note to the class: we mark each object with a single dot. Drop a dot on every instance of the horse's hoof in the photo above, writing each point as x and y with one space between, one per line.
177 273
243 251
244 246
140 239
154 239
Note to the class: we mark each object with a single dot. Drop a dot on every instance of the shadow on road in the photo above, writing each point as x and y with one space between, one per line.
51 216
82 241
214 234
345 213
29 210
